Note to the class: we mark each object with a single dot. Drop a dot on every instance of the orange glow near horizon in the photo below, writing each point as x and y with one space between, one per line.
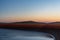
38 19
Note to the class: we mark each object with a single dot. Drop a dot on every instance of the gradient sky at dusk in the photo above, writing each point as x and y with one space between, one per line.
35 10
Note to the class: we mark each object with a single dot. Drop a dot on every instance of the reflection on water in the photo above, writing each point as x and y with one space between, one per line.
6 34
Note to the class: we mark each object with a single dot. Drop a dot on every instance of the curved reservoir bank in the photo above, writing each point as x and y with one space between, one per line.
7 34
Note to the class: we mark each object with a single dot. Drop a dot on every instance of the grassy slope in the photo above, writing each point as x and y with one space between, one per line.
52 26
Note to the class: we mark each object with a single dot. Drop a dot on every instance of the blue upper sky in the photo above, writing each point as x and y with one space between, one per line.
36 10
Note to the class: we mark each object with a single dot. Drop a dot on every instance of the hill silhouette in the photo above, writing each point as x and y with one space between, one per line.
55 23
30 22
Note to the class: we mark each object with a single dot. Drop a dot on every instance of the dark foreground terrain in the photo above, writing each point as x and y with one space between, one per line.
53 29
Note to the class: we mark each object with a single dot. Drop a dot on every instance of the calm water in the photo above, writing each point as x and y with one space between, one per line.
7 34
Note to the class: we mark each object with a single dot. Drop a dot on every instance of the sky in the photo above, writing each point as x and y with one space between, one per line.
29 10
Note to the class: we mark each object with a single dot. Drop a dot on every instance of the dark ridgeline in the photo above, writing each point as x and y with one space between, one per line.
55 23
29 22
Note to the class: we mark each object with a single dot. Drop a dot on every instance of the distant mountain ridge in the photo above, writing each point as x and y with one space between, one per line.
29 22
55 23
